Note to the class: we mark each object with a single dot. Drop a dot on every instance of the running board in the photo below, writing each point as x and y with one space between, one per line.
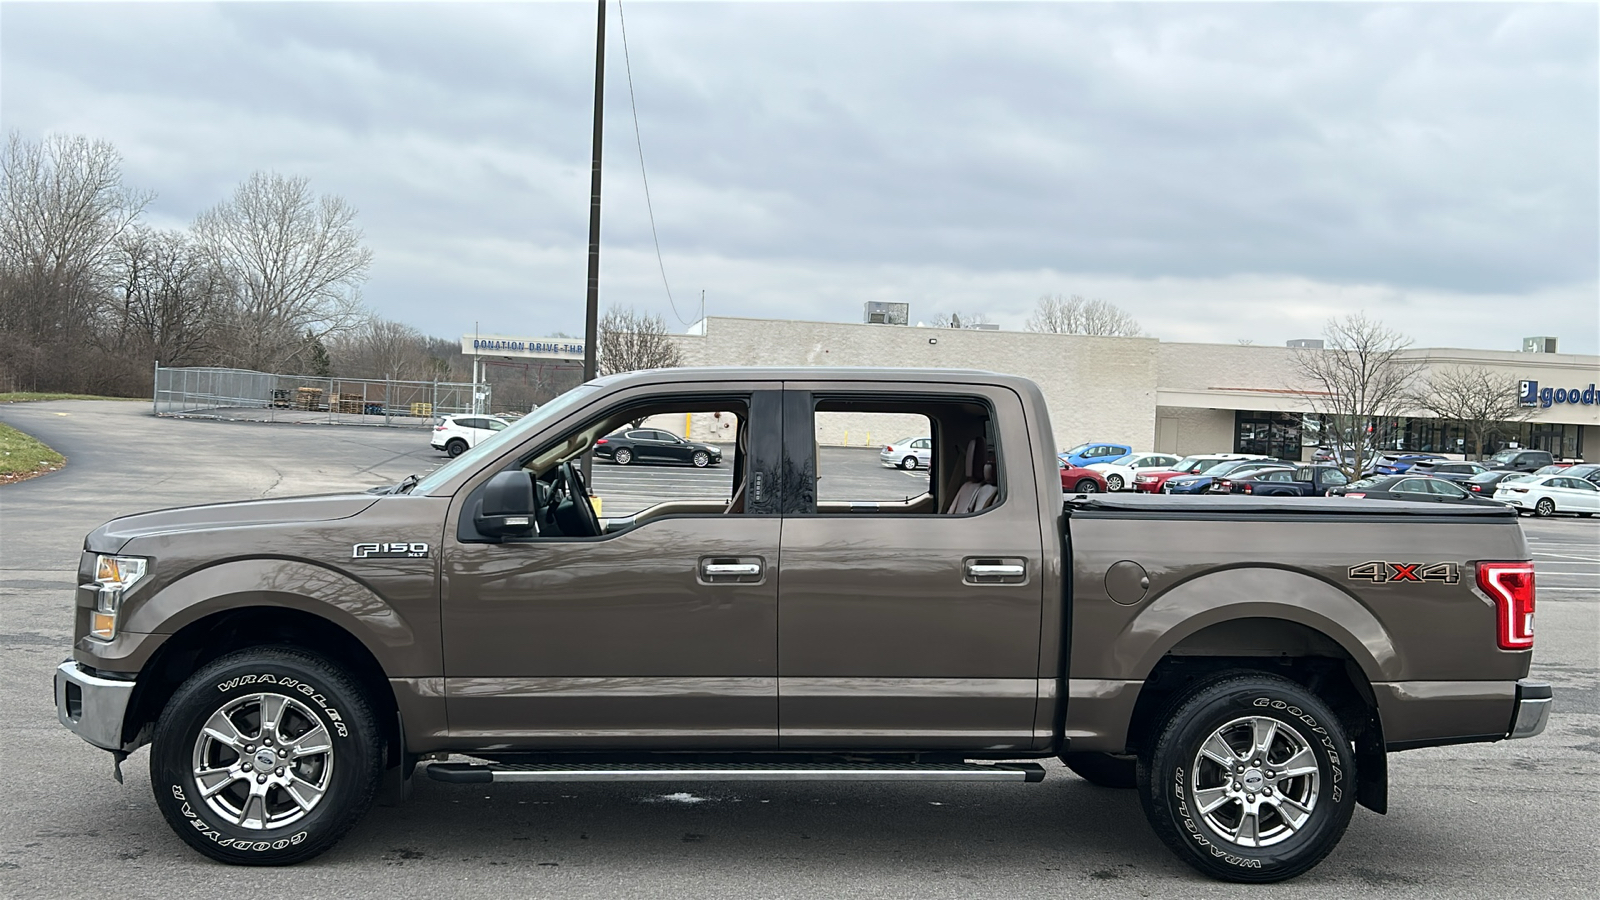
470 773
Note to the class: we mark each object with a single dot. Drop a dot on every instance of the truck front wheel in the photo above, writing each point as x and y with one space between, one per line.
265 757
1251 779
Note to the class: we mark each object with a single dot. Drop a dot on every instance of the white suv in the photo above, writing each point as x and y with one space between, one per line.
454 434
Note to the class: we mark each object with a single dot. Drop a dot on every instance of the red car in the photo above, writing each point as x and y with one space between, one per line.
1150 481
1078 480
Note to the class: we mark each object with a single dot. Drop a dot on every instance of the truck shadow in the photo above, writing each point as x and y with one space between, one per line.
1063 824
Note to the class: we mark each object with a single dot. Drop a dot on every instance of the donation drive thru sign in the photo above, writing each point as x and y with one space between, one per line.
522 347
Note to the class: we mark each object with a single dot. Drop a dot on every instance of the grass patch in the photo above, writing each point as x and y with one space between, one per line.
31 396
22 456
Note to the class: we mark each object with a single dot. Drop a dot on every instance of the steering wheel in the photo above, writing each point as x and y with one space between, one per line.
578 493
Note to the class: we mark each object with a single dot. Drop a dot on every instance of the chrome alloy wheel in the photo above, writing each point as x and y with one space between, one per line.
263 761
1255 781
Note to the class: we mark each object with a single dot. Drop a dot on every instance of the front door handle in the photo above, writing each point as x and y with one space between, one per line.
978 570
713 570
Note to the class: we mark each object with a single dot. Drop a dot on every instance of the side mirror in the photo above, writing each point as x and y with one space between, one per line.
507 508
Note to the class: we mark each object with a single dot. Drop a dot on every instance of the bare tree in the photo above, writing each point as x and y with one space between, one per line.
630 341
1056 314
62 207
1359 378
297 263
166 300
1482 401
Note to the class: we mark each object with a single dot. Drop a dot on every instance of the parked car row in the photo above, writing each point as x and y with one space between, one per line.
1544 489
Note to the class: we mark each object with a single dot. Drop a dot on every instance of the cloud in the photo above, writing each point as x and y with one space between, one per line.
1213 168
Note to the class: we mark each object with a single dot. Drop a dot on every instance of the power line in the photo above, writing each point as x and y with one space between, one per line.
639 142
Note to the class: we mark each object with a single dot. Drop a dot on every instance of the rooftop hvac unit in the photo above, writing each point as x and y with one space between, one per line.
1538 345
878 312
1306 343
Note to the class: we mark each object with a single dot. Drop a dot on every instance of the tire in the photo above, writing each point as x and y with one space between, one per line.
909 462
1086 486
623 456
1545 508
701 459
1107 770
1307 813
336 748
1113 482
455 447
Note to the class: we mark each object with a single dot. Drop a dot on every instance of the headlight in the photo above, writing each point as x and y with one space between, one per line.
114 575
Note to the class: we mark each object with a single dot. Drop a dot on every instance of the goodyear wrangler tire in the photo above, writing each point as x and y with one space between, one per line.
1250 779
266 757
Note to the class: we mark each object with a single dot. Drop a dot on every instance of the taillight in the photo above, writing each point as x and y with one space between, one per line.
438 428
1249 489
599 442
1356 494
1511 586
888 448
1477 487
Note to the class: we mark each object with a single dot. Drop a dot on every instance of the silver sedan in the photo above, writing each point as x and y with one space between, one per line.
908 453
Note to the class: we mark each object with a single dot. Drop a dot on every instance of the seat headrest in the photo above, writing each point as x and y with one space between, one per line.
976 453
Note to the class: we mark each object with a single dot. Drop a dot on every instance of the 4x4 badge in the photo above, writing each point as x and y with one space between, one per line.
400 550
1380 572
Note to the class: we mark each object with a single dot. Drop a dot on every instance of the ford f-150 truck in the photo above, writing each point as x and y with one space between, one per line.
1246 664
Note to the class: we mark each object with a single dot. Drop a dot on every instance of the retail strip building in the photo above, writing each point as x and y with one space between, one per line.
1151 394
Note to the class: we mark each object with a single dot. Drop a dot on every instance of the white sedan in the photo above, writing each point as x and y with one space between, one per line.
1546 495
1119 472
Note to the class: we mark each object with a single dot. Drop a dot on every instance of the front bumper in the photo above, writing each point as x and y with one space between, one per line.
1532 711
90 706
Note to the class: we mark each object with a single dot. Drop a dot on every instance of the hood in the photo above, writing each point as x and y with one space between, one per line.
115 534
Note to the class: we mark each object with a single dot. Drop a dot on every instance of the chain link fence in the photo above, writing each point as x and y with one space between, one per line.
219 393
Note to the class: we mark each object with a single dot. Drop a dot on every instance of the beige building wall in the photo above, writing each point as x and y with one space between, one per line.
1097 388
1179 397
1190 431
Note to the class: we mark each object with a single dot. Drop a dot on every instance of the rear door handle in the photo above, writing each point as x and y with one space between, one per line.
977 570
713 570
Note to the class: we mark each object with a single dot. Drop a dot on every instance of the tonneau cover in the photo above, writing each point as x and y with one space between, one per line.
1281 506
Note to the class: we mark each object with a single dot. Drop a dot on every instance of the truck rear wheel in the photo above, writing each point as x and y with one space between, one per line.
1251 779
265 757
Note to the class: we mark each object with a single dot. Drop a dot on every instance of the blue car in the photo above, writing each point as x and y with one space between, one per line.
1201 482
1097 452
1398 463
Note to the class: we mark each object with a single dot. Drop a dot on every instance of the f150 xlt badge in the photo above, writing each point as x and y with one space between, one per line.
399 550
1380 572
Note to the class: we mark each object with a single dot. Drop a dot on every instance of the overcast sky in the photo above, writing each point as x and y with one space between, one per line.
1221 171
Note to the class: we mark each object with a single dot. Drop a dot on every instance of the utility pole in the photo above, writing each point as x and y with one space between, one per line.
592 312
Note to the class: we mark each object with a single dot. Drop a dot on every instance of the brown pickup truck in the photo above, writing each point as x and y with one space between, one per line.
1246 664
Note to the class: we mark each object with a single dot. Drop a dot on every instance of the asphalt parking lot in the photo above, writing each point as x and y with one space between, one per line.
1511 819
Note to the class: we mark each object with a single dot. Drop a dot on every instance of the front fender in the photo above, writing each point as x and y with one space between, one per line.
291 584
1257 592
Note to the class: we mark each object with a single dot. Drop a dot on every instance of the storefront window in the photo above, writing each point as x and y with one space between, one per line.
1282 434
1268 433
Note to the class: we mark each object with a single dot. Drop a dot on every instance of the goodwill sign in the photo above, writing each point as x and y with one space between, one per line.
1530 394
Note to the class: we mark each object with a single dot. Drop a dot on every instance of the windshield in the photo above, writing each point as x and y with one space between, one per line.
1189 464
1119 461
1505 455
1075 450
555 409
